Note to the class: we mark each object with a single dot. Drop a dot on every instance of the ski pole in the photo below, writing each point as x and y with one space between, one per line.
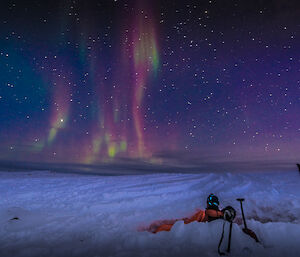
221 239
232 216
246 230
243 215
229 239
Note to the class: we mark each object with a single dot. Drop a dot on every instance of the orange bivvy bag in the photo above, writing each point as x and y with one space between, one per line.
200 216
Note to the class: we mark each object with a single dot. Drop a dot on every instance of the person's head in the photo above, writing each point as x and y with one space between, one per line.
212 202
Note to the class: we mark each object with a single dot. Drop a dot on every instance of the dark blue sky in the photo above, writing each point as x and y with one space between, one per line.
96 82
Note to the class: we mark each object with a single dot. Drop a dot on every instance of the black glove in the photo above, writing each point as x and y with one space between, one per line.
229 213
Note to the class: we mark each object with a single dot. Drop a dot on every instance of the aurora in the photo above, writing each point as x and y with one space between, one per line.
165 83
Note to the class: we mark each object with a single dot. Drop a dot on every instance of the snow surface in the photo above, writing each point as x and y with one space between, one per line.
76 215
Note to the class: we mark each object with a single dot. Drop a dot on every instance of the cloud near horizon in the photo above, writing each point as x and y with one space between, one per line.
161 163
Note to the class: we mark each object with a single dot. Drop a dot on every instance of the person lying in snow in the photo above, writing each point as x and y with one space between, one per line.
212 212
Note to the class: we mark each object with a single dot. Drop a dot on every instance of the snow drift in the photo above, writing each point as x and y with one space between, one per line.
49 214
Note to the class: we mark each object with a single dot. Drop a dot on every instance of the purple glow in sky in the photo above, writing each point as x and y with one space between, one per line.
171 82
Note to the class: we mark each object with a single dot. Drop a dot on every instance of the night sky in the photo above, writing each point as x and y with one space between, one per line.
162 82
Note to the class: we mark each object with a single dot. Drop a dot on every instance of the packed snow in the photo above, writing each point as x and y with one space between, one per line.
52 214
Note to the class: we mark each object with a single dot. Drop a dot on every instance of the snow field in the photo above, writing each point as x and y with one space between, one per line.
75 215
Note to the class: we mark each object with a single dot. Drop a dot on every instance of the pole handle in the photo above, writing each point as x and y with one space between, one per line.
242 209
